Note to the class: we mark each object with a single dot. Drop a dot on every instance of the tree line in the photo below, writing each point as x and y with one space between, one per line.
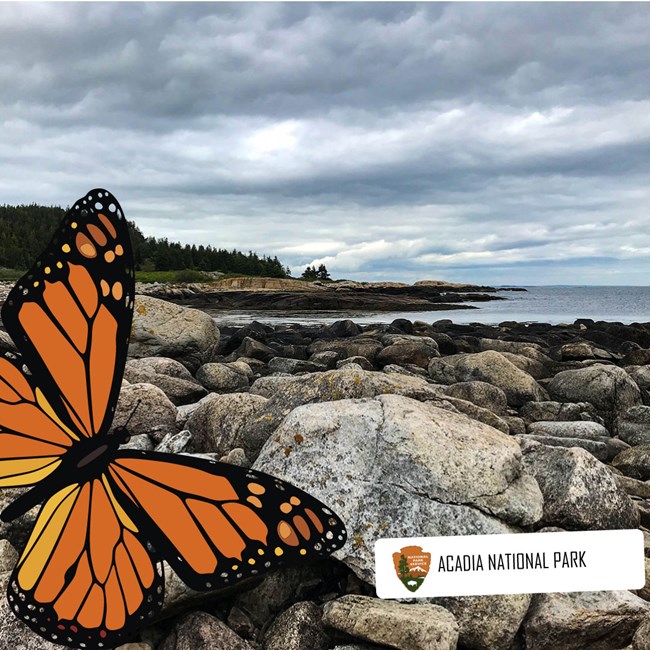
25 230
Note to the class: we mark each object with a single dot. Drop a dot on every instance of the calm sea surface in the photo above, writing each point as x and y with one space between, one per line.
537 304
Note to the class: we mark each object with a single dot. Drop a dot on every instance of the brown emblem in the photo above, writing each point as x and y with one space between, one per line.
412 566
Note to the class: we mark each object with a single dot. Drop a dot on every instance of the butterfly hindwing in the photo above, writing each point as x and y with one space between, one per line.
70 314
85 578
217 524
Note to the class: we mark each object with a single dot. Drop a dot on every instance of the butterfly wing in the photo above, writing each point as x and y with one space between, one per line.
85 578
70 315
32 437
216 523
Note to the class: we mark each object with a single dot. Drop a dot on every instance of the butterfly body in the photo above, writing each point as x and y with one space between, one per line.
90 574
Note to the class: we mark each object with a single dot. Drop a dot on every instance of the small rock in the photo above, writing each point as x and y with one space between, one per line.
407 627
200 630
580 492
175 443
162 329
362 362
480 393
147 409
221 377
633 425
297 628
634 462
586 430
291 366
597 620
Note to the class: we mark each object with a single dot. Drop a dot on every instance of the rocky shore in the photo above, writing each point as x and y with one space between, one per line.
262 294
406 429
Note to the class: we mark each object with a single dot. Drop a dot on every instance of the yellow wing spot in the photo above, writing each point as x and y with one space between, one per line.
65 248
118 292
294 501
251 561
119 251
278 551
286 508
254 501
73 225
59 265
36 283
303 551
256 488
260 551
105 288
47 270
235 567
109 256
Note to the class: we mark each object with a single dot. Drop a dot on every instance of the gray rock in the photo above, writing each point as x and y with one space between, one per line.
162 329
237 457
634 462
200 630
292 366
255 350
154 415
487 622
514 347
491 367
597 449
297 628
633 425
407 627
480 414
362 362
641 376
417 350
222 377
358 346
641 640
559 412
480 393
609 388
580 492
576 351
598 620
586 430
328 358
413 466
142 442
175 443
8 556
224 422
181 388
286 393
534 368
516 425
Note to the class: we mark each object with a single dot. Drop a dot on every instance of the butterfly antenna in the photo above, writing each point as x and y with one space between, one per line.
135 408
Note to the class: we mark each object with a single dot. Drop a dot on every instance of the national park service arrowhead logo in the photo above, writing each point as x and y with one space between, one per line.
412 566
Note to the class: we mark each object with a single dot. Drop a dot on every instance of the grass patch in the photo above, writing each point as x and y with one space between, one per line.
11 274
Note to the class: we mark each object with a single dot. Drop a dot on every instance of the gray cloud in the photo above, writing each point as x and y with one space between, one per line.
503 143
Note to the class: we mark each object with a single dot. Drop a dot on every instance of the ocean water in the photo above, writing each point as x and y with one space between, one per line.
538 304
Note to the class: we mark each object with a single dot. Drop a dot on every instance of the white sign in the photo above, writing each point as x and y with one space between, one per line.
475 565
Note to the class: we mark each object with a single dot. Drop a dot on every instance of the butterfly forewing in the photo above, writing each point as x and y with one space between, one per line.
216 523
70 315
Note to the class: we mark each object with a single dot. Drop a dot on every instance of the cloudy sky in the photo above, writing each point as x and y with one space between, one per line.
491 143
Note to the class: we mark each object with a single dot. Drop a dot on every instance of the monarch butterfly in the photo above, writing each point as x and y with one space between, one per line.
91 572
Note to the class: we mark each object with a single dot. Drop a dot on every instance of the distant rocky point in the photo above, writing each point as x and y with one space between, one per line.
249 293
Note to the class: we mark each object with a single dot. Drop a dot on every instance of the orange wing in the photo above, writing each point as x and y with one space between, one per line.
85 578
216 523
32 438
70 315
